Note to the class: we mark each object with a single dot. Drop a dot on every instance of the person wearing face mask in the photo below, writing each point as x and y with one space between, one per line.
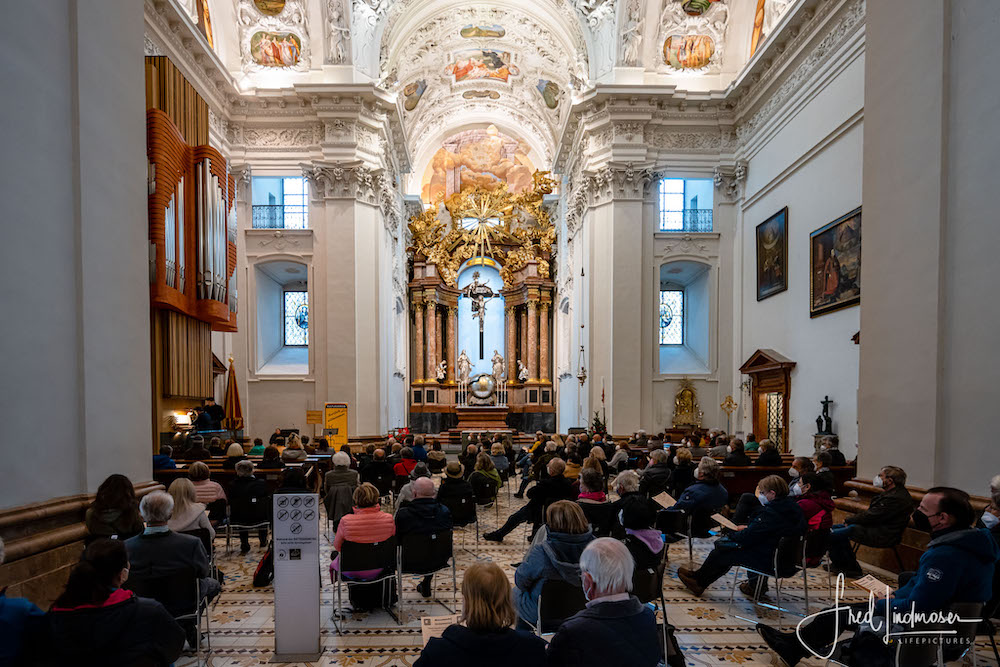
720 449
800 466
880 526
752 545
703 498
817 507
769 454
823 462
655 478
615 628
831 445
736 456
683 473
956 567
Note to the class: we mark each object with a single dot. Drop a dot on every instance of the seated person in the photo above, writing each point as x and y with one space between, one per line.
601 514
484 637
801 465
468 458
549 490
822 464
379 468
293 480
454 486
257 449
115 510
620 458
249 504
436 458
366 525
831 445
406 494
208 493
753 545
215 447
162 461
720 449
158 551
188 514
956 567
275 437
751 444
406 464
305 445
880 526
574 464
500 460
769 454
419 452
736 456
644 542
485 479
21 624
683 474
655 478
96 621
294 451
817 506
615 628
341 473
197 451
705 497
558 557
422 516
233 456
272 459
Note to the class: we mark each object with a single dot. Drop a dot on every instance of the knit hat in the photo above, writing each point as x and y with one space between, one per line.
454 470
420 470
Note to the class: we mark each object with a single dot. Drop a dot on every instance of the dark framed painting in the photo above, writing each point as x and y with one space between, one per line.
835 265
772 255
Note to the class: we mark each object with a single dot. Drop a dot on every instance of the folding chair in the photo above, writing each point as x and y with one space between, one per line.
168 590
426 554
383 483
557 601
237 527
647 585
355 556
463 514
338 498
206 541
928 650
486 492
677 522
788 559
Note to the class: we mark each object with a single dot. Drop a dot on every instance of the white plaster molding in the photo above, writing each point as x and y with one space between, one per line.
338 33
714 23
273 244
292 18
243 175
730 179
343 180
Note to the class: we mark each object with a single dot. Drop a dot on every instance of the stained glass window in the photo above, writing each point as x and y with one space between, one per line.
672 204
296 318
671 317
295 206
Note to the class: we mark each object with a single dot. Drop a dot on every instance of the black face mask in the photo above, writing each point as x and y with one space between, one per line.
921 522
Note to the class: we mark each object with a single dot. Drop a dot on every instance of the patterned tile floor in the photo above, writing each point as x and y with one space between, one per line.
709 633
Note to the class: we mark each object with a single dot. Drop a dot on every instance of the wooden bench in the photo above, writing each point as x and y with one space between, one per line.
743 479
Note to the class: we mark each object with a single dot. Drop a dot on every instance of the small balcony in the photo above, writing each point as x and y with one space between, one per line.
687 220
278 216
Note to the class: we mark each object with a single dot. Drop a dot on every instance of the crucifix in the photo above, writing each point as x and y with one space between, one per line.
479 293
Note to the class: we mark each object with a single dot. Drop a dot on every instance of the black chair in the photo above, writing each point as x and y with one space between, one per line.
398 482
486 491
235 526
557 601
355 556
423 554
463 513
928 650
789 556
603 519
895 552
180 593
647 585
382 482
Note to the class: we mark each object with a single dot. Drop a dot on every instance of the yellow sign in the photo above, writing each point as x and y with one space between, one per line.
314 416
335 423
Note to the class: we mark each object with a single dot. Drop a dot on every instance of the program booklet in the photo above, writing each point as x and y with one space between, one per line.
433 626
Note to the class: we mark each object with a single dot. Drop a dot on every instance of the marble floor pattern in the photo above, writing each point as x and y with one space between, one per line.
708 633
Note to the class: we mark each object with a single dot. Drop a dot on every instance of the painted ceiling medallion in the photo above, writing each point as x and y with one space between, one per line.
275 49
688 51
482 64
412 94
269 7
549 91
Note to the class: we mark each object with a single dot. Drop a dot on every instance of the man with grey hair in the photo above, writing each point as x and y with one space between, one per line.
615 628
423 515
159 551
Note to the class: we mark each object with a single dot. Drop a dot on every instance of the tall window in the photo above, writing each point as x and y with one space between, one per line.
680 202
296 318
294 192
280 202
671 317
672 204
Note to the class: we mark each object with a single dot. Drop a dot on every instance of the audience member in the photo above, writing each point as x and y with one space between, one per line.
197 451
258 448
706 496
468 459
406 464
751 444
188 514
558 557
752 545
683 472
341 473
379 468
272 459
406 494
419 453
721 447
484 638
831 445
279 444
769 454
454 485
485 479
422 516
737 456
293 480
597 454
817 507
234 454
97 622
823 462
601 514
294 451
322 445
655 479
615 628
880 526
644 542
305 445
366 525
620 458
21 624
275 437
249 504
436 458
500 460
215 447
956 567
553 488
115 510
574 464
207 492
162 461
800 466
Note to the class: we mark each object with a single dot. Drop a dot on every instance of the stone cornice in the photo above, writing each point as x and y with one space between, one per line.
343 180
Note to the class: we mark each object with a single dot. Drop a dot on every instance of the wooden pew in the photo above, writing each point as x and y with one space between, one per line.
743 479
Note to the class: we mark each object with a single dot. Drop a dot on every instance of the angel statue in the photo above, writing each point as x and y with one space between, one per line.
442 370
522 372
464 367
497 366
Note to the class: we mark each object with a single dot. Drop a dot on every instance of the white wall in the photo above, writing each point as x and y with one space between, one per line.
74 262
270 327
812 166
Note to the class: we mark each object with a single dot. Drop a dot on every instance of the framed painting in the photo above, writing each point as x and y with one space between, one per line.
772 255
835 265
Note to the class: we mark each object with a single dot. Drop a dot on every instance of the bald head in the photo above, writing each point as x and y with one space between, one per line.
423 487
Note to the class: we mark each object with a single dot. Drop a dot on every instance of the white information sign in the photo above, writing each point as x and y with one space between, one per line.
296 577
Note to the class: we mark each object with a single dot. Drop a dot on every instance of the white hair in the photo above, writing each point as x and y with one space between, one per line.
341 459
995 483
627 482
156 507
609 564
244 468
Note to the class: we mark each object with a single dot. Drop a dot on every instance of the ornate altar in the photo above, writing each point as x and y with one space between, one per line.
481 293
687 413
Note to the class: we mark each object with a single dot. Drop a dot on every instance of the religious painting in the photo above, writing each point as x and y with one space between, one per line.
482 157
772 255
481 94
696 7
275 49
493 30
835 265
550 93
473 64
205 22
688 51
269 7
412 94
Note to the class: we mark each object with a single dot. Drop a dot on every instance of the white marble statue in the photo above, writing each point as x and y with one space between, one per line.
497 366
522 372
442 370
464 367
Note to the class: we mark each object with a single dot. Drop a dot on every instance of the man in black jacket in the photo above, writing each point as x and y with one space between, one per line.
249 504
831 445
424 515
545 492
615 628
881 525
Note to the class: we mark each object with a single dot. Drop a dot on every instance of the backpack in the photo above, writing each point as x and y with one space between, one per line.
264 574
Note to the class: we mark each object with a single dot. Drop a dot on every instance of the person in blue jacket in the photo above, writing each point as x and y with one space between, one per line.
163 460
753 545
21 622
956 567
419 452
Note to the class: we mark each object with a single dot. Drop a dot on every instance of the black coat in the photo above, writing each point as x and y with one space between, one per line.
779 518
459 645
249 501
608 633
422 516
682 479
549 490
603 519
735 459
883 523
837 457
769 457
655 479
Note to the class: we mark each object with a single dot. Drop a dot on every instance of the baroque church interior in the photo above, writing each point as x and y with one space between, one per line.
568 292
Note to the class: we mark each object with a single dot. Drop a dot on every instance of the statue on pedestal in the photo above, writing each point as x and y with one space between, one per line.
442 370
497 366
824 424
522 372
464 367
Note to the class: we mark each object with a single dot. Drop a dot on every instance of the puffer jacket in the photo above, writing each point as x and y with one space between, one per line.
558 557
366 525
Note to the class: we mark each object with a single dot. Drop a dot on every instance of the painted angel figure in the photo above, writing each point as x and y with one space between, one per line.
442 370
522 372
464 367
497 366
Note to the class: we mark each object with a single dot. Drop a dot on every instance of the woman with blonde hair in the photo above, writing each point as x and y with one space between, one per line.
188 513
233 456
486 638
294 451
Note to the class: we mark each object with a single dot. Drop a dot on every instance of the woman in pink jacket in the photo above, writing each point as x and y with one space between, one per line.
367 525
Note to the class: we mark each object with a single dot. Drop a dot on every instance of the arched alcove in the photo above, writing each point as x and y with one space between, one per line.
684 302
282 317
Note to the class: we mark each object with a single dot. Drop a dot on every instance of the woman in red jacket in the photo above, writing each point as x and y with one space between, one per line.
367 525
817 506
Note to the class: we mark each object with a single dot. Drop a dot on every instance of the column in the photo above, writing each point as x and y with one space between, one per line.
523 356
418 340
543 343
431 331
532 362
451 319
510 330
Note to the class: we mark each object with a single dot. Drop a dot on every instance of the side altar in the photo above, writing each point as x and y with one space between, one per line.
481 291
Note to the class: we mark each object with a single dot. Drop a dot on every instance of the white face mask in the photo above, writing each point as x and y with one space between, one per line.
990 520
677 460
878 483
762 497
793 473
